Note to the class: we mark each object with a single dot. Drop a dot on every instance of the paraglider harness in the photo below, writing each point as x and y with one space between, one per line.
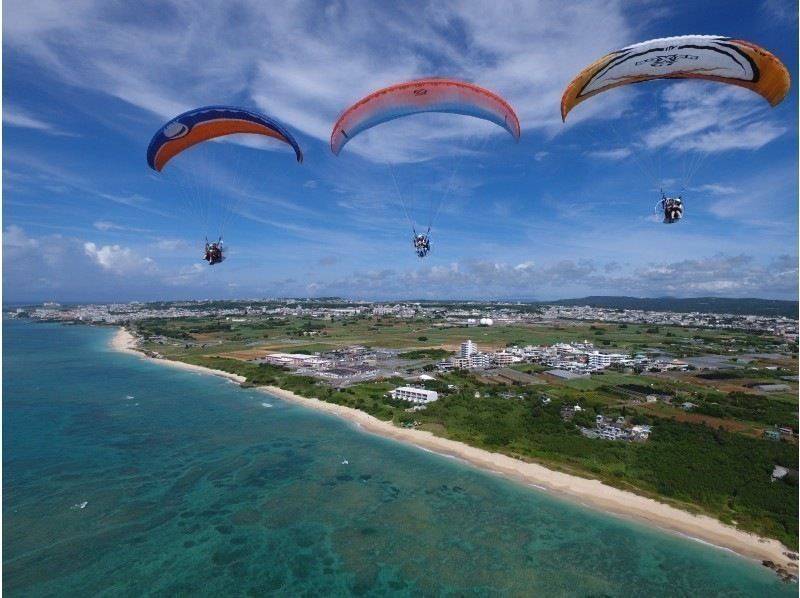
672 208
422 243
214 252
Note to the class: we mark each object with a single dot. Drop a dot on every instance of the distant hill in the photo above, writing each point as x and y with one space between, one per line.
718 305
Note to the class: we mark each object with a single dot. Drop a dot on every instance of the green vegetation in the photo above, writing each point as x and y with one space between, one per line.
432 354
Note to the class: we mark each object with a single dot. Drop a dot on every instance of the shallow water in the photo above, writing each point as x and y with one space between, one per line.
193 486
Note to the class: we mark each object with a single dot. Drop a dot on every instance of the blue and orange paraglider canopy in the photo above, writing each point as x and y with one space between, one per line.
198 178
211 122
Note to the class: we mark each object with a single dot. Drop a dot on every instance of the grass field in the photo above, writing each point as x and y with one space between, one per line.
315 335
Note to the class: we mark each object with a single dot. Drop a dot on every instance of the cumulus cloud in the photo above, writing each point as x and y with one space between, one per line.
14 238
721 275
68 268
114 258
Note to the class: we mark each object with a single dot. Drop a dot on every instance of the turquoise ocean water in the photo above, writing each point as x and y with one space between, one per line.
123 477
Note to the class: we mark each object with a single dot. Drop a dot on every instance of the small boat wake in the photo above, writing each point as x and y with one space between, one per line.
267 405
79 506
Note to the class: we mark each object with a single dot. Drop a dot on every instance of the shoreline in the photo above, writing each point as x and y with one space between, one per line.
581 491
124 342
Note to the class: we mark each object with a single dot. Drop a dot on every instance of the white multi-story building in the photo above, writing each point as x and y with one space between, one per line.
414 395
599 360
479 360
467 348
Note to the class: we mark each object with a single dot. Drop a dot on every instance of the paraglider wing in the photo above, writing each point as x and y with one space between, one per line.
710 57
425 95
210 122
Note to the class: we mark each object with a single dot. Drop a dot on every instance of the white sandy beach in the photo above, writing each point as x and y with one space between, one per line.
591 493
124 341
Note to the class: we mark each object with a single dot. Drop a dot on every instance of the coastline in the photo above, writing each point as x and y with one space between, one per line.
587 492
125 342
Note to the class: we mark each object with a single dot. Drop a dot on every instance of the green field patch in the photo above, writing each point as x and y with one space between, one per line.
432 354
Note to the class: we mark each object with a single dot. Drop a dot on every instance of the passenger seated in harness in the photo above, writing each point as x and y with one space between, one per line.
422 245
214 253
672 208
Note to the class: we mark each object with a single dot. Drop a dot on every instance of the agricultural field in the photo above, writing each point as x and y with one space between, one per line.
306 334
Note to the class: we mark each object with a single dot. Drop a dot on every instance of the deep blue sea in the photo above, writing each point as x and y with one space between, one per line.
123 477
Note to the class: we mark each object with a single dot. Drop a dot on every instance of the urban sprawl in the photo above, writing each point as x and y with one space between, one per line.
348 365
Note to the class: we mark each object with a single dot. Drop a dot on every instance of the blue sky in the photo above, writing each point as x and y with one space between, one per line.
566 212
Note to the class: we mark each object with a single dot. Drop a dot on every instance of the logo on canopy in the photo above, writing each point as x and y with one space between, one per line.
667 59
175 130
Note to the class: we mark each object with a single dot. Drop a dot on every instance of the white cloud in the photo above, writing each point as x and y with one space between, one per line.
715 189
782 11
69 268
105 226
120 260
171 244
15 238
723 275
750 137
193 275
108 226
614 154
17 117
760 202
709 118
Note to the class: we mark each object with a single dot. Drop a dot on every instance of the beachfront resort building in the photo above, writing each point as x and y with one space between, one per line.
414 395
